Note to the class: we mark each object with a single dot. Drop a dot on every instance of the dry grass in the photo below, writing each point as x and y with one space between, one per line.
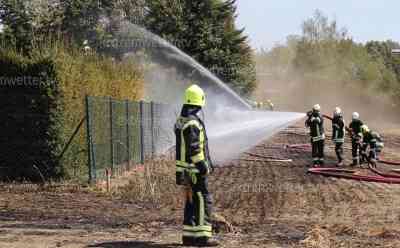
269 205
56 187
317 238
154 184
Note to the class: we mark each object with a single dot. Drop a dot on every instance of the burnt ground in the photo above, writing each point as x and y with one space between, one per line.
268 203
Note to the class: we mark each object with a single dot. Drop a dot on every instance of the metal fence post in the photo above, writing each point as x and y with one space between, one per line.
141 104
111 135
91 158
128 146
153 147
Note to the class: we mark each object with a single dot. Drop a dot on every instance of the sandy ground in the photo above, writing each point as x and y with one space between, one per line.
269 204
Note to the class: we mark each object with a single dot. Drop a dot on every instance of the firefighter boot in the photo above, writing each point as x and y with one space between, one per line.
206 242
189 241
355 162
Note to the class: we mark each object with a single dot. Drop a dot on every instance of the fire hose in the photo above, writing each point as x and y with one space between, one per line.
306 147
376 171
351 174
384 161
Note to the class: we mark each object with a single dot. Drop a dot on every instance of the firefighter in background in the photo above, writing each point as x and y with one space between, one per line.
315 122
270 105
338 133
193 165
263 105
370 138
254 104
356 137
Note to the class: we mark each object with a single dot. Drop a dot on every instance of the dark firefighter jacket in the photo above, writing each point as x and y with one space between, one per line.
338 129
192 153
315 122
355 127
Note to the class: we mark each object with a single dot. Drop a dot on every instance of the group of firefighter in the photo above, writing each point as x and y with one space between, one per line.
267 105
366 145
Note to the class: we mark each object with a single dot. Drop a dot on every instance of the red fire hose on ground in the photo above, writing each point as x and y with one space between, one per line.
351 174
384 161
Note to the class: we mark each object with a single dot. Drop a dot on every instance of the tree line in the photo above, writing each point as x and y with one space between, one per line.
325 57
204 29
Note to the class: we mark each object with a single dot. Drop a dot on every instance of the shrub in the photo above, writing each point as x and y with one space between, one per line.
42 98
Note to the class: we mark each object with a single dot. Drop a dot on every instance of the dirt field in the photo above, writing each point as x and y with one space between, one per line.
269 204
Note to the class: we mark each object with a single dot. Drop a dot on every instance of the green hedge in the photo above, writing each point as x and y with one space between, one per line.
29 136
42 101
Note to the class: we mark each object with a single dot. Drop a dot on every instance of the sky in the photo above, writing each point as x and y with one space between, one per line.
269 22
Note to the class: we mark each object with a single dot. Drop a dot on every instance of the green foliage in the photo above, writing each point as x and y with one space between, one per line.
206 31
81 18
382 52
18 23
30 22
30 108
93 75
325 61
48 104
203 29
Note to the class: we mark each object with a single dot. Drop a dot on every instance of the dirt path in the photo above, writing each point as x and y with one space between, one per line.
270 204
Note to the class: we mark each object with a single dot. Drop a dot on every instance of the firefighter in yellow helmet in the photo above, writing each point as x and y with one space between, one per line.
193 165
270 104
375 143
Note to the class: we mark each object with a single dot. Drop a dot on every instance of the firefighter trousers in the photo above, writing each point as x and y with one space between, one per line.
355 150
368 156
318 151
339 151
197 223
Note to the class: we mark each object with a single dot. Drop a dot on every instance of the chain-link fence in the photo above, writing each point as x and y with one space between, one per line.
122 134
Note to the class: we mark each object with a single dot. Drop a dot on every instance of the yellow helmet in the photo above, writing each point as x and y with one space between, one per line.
364 129
195 96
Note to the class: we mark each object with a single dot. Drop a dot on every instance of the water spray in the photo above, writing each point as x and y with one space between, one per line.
231 124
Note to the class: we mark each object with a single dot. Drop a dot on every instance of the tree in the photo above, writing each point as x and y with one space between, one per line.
205 30
82 18
325 60
383 51
318 44
17 23
31 21
318 28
